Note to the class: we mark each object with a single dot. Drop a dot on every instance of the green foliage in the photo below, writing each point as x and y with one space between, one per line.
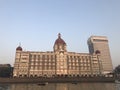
5 71
117 70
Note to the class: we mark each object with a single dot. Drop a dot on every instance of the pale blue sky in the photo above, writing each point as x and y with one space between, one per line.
36 23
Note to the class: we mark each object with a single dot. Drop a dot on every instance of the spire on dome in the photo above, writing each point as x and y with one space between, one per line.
59 35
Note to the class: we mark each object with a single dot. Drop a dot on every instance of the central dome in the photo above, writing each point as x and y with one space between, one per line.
60 40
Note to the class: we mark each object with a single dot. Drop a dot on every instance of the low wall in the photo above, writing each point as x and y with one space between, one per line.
57 80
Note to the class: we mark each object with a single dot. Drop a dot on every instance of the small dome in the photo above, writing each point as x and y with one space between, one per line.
60 40
97 52
19 48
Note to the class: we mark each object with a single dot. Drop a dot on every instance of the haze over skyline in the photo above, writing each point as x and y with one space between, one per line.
36 24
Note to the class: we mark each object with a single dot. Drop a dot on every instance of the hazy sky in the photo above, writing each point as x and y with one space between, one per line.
36 23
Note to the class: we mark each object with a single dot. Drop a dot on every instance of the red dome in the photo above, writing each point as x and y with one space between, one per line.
97 52
19 48
59 40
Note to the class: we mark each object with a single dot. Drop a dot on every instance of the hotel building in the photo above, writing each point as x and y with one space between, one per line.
101 43
60 62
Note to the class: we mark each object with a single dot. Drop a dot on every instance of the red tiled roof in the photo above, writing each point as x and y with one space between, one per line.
97 52
59 40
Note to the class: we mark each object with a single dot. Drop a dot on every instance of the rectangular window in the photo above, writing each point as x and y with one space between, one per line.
38 57
43 57
99 40
34 57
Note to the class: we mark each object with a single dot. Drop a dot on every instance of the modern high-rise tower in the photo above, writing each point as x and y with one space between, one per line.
100 43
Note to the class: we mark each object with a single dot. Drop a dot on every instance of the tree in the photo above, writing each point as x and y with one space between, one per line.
117 70
5 71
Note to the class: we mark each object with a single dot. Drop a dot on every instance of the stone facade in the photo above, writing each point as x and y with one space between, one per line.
58 62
